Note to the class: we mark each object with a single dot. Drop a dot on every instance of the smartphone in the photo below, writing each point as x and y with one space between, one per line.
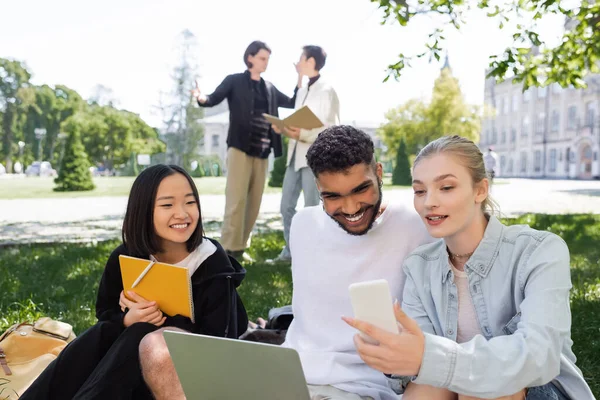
372 303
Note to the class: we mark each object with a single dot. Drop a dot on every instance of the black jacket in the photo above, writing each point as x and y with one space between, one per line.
237 89
218 309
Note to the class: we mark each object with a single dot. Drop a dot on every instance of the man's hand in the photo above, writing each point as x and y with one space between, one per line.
198 95
276 129
400 354
300 74
289 131
292 132
140 310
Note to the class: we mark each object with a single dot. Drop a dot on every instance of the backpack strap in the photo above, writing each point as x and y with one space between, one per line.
3 362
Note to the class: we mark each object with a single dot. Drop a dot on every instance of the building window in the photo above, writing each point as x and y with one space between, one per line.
555 121
553 160
501 106
525 126
215 141
486 136
560 157
503 136
542 92
572 118
537 161
523 162
515 102
505 105
526 95
589 114
502 163
539 125
494 136
513 135
510 166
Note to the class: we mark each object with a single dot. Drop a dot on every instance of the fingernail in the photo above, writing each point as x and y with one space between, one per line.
396 302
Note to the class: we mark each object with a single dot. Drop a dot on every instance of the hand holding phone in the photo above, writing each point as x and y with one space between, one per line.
372 303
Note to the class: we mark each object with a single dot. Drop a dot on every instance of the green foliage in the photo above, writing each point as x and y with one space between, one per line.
14 78
111 136
576 55
74 174
419 123
401 174
279 166
198 172
47 107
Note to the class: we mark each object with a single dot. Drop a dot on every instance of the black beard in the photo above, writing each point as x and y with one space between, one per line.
371 222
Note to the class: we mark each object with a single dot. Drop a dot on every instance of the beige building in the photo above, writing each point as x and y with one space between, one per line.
544 132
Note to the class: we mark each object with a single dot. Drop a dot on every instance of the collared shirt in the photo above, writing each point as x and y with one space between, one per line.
519 281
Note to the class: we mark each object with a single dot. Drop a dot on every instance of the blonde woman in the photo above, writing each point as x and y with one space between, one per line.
485 311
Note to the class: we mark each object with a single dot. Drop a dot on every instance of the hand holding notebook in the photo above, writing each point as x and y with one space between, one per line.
169 285
302 118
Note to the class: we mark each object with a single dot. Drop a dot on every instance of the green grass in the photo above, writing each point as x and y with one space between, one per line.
60 280
37 187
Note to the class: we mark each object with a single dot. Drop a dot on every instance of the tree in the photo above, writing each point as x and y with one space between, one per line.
577 55
14 77
183 131
401 174
74 172
406 122
448 113
48 108
418 123
110 136
279 166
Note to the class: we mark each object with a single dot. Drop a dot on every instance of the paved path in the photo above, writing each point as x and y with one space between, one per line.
100 218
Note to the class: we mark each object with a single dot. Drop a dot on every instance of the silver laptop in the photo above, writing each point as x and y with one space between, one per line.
216 368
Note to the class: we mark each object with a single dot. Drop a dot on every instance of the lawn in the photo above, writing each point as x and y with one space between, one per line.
60 280
41 187
38 187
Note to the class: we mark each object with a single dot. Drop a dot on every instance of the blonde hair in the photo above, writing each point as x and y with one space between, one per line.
468 154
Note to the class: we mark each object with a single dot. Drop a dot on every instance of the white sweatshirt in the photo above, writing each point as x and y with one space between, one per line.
325 261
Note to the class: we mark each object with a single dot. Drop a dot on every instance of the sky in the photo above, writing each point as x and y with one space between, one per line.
129 47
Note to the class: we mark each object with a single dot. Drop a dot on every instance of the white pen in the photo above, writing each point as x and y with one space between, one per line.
144 272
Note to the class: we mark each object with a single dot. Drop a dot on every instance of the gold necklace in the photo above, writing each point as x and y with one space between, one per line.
458 256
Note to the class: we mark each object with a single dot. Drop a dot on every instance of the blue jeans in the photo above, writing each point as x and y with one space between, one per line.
546 392
294 182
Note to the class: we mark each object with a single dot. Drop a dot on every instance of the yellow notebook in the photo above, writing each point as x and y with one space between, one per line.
169 285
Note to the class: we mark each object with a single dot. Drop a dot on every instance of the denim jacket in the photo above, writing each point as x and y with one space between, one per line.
519 281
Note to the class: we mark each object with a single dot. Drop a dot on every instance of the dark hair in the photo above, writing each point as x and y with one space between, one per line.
317 53
139 235
339 148
253 49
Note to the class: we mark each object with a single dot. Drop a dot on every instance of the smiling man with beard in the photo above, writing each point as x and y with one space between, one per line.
352 237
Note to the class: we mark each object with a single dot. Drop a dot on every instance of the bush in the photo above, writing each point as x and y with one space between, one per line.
74 172
279 166
401 174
